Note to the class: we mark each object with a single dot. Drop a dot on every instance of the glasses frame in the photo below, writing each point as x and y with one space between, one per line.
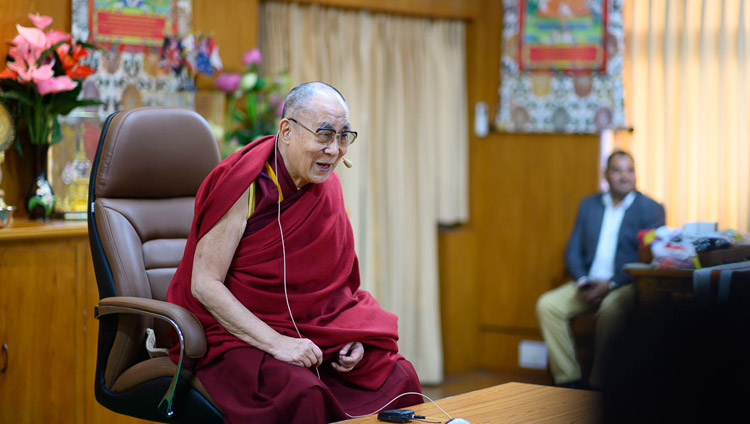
335 136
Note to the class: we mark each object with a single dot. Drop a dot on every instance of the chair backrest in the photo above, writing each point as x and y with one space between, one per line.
149 165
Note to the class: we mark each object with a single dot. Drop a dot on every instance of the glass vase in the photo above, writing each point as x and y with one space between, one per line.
40 200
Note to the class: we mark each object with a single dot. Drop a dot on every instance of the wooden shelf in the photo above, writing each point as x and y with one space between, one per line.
25 229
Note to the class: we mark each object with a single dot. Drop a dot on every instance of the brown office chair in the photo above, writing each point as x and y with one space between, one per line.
148 167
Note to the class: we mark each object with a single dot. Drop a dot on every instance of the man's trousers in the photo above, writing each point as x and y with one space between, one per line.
557 307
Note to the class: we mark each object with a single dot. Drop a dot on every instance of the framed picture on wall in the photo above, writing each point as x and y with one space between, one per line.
561 66
562 35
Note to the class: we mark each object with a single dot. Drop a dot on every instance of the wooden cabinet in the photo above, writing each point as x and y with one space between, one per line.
47 329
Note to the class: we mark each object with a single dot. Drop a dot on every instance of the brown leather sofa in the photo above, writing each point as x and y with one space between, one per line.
148 167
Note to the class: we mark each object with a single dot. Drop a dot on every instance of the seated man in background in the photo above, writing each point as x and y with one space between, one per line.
271 240
604 239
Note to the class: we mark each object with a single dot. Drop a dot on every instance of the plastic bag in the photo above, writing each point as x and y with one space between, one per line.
673 249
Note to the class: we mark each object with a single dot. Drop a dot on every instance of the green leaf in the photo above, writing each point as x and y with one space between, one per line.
56 132
13 95
89 46
49 51
251 100
64 109
8 84
64 96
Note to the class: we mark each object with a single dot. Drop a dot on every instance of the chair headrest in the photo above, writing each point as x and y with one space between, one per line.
155 152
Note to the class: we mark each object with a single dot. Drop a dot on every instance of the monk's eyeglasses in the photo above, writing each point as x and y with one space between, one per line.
325 136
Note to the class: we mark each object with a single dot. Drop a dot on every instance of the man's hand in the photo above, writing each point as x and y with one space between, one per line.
349 357
302 352
593 291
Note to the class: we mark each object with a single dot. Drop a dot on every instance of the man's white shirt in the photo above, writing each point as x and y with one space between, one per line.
603 267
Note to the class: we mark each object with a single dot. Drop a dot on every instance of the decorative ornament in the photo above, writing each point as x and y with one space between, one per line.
7 135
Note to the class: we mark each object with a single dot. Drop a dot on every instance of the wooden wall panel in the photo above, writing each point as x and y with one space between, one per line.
459 293
524 194
524 188
234 23
14 12
526 214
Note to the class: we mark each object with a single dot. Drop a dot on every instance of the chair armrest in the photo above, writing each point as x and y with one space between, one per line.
186 324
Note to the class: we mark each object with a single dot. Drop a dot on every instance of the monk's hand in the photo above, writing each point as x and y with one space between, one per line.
349 357
593 292
302 352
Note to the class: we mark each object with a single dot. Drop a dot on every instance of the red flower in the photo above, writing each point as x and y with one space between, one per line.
7 73
70 62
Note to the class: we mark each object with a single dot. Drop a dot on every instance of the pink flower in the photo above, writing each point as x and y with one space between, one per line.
24 53
40 22
56 85
228 81
17 53
32 73
63 49
54 37
42 73
33 36
252 56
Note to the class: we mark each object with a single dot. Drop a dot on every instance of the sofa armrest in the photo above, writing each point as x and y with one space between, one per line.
187 325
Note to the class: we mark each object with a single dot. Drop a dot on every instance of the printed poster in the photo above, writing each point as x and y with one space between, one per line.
561 66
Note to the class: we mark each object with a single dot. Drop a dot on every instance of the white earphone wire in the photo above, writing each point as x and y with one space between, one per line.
403 394
286 295
281 233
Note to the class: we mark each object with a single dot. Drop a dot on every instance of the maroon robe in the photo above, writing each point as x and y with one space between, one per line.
324 296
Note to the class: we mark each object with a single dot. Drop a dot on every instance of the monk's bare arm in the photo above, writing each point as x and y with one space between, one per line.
213 255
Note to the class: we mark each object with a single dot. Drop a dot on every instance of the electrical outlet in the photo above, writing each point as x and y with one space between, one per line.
532 354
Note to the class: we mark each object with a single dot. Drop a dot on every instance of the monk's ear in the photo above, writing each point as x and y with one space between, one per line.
285 131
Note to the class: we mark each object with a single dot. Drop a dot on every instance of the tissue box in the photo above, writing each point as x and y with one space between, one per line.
700 228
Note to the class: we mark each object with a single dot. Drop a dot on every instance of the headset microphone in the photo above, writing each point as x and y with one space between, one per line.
347 162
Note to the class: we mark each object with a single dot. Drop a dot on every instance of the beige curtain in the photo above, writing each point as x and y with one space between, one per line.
688 79
405 82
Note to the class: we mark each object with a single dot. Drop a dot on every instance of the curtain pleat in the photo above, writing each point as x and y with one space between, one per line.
405 81
689 79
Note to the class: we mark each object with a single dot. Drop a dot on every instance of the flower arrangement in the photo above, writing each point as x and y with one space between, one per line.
43 78
255 102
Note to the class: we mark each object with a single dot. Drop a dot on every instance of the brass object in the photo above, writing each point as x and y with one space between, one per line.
70 163
7 134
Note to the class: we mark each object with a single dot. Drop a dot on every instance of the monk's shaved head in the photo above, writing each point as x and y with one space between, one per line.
299 97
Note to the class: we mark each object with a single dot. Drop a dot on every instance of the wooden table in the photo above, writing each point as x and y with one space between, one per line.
656 285
513 403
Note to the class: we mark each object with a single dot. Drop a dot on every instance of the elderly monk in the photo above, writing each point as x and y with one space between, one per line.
271 240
